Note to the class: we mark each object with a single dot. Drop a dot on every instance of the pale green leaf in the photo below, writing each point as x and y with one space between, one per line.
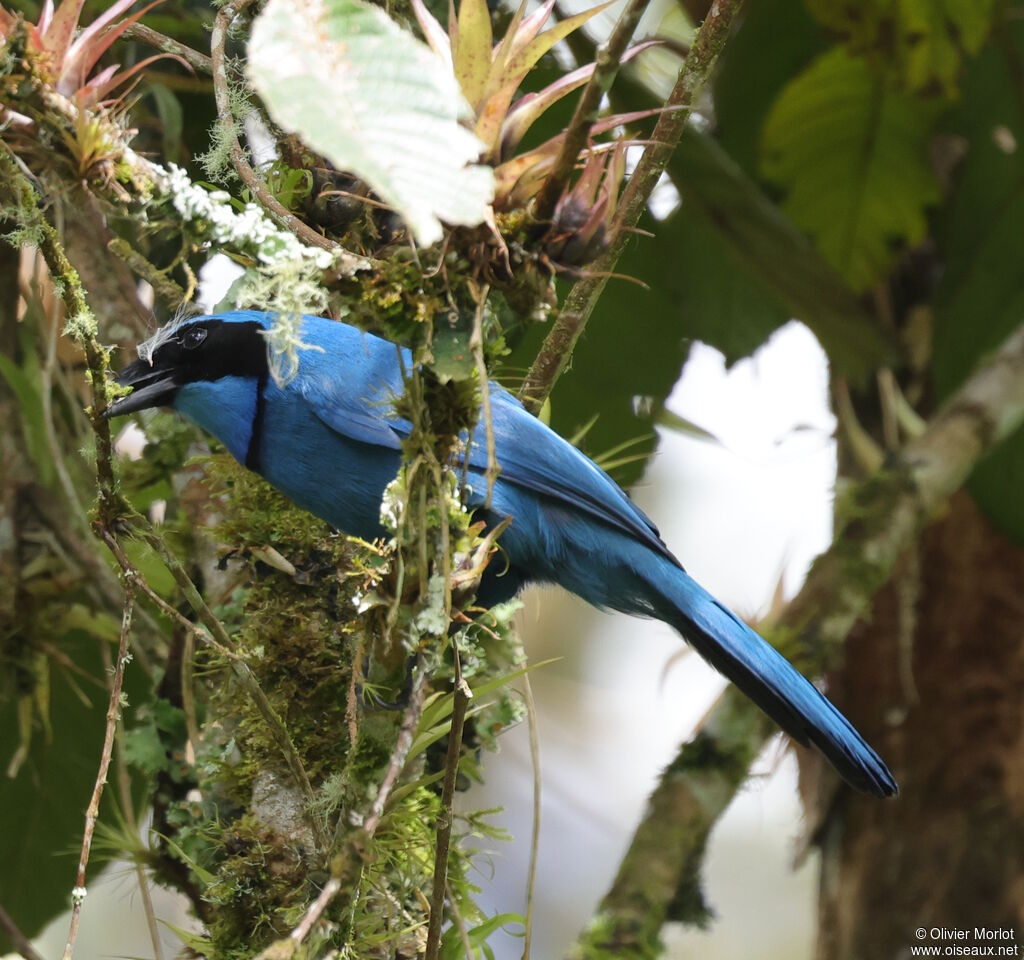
926 41
938 34
852 156
377 103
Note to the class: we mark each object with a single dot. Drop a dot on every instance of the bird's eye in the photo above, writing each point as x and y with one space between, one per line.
192 337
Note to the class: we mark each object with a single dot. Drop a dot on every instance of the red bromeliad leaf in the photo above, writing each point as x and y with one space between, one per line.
58 29
433 32
103 83
527 109
92 44
518 179
525 55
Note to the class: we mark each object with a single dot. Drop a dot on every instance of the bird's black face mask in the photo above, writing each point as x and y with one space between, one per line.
180 353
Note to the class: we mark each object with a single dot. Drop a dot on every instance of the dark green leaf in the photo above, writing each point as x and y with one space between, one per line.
852 156
772 261
776 40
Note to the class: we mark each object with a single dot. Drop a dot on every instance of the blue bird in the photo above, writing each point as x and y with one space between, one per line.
329 441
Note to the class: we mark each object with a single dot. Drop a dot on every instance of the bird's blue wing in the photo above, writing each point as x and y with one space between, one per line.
356 402
351 385
358 418
532 456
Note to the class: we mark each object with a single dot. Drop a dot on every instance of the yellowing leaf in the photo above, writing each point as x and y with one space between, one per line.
927 39
939 33
473 57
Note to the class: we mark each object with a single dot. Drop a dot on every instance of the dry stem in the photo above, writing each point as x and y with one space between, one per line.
607 63
557 348
92 813
446 816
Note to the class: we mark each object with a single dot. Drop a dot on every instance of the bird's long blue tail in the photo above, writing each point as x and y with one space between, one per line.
765 676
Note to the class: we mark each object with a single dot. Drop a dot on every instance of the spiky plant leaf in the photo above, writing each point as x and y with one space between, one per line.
473 61
376 102
528 108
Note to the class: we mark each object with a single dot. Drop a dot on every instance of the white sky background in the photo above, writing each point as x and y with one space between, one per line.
615 708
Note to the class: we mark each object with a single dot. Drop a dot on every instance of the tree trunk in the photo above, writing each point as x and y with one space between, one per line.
936 681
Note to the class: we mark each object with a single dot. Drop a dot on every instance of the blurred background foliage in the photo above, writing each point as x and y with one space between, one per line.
857 167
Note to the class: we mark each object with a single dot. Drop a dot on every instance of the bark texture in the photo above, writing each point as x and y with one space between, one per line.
935 679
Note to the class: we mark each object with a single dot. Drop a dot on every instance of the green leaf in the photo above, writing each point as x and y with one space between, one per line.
172 120
852 158
775 41
376 102
940 33
926 41
758 240
453 360
981 297
144 750
765 256
33 421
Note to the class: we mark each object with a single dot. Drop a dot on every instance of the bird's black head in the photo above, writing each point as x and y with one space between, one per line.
188 351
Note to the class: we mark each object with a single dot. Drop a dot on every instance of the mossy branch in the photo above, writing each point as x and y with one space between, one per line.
885 515
113 511
198 61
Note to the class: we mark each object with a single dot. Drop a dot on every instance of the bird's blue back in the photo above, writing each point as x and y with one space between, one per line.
330 441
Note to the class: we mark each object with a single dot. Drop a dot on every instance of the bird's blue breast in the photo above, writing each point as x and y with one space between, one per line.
332 476
225 407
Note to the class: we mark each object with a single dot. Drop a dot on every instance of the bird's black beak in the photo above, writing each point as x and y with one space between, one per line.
152 387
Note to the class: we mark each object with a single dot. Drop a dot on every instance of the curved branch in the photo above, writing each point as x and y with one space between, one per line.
198 61
557 348
892 507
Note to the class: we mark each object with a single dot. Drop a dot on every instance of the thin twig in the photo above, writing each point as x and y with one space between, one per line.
18 940
124 793
607 63
70 491
557 348
168 290
531 875
406 735
188 695
277 210
476 344
195 59
77 313
445 817
460 925
92 813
